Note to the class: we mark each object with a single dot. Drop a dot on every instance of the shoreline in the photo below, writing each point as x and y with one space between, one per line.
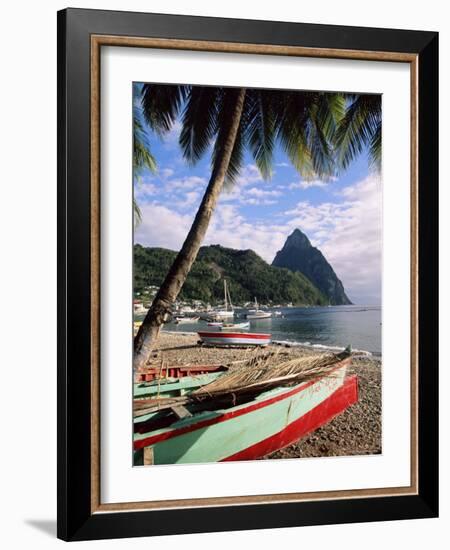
296 344
356 431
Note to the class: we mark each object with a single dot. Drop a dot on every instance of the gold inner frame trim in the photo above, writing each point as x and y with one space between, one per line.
97 41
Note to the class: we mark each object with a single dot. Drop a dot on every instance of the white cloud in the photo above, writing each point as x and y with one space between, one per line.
257 192
169 188
143 190
253 196
166 173
162 227
185 183
258 202
306 184
249 174
190 199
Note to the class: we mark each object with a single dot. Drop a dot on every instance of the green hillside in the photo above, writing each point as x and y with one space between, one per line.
247 274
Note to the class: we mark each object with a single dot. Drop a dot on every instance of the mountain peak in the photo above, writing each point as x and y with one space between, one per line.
299 255
298 238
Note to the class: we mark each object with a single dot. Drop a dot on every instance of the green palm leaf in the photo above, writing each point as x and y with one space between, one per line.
161 104
260 126
302 136
199 121
359 127
142 158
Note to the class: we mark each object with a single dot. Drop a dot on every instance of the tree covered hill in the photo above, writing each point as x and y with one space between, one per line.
248 276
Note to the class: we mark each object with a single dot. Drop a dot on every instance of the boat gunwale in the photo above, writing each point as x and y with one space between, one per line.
252 335
233 412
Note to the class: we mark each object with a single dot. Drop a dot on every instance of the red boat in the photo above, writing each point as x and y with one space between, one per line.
234 338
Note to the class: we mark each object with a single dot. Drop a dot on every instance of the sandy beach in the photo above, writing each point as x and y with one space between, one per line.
356 431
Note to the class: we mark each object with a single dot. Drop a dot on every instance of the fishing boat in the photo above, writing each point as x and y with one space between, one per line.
235 326
228 309
258 313
225 338
224 416
181 320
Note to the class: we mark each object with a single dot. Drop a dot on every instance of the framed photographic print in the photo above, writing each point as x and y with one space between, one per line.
247 274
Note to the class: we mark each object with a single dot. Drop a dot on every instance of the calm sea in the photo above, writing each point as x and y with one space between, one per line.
335 326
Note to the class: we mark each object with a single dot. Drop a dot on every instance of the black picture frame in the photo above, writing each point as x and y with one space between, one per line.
76 520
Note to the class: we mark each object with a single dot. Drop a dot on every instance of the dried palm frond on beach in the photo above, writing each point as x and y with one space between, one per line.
263 371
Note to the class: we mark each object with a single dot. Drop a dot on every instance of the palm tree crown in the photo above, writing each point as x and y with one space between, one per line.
304 123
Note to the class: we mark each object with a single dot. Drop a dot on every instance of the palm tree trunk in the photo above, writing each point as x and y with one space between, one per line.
170 288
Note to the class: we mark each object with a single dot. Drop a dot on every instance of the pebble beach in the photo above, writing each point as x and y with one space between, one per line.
356 431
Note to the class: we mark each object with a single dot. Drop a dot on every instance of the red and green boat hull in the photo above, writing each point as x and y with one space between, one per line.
271 421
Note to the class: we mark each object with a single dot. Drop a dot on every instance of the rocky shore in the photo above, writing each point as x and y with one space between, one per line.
354 432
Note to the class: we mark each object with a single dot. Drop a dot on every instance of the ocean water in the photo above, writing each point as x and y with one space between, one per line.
329 327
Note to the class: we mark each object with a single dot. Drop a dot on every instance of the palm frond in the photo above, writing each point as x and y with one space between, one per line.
320 130
260 127
199 121
302 134
161 104
376 148
142 157
137 213
330 112
359 128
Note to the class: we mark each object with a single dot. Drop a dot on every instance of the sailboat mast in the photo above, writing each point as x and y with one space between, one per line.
225 293
229 299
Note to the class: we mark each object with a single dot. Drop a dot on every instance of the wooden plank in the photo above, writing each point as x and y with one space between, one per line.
181 411
148 456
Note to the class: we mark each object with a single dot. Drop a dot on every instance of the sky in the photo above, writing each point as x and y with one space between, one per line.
341 216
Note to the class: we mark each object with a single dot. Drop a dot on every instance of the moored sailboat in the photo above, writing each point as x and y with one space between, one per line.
258 313
228 309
